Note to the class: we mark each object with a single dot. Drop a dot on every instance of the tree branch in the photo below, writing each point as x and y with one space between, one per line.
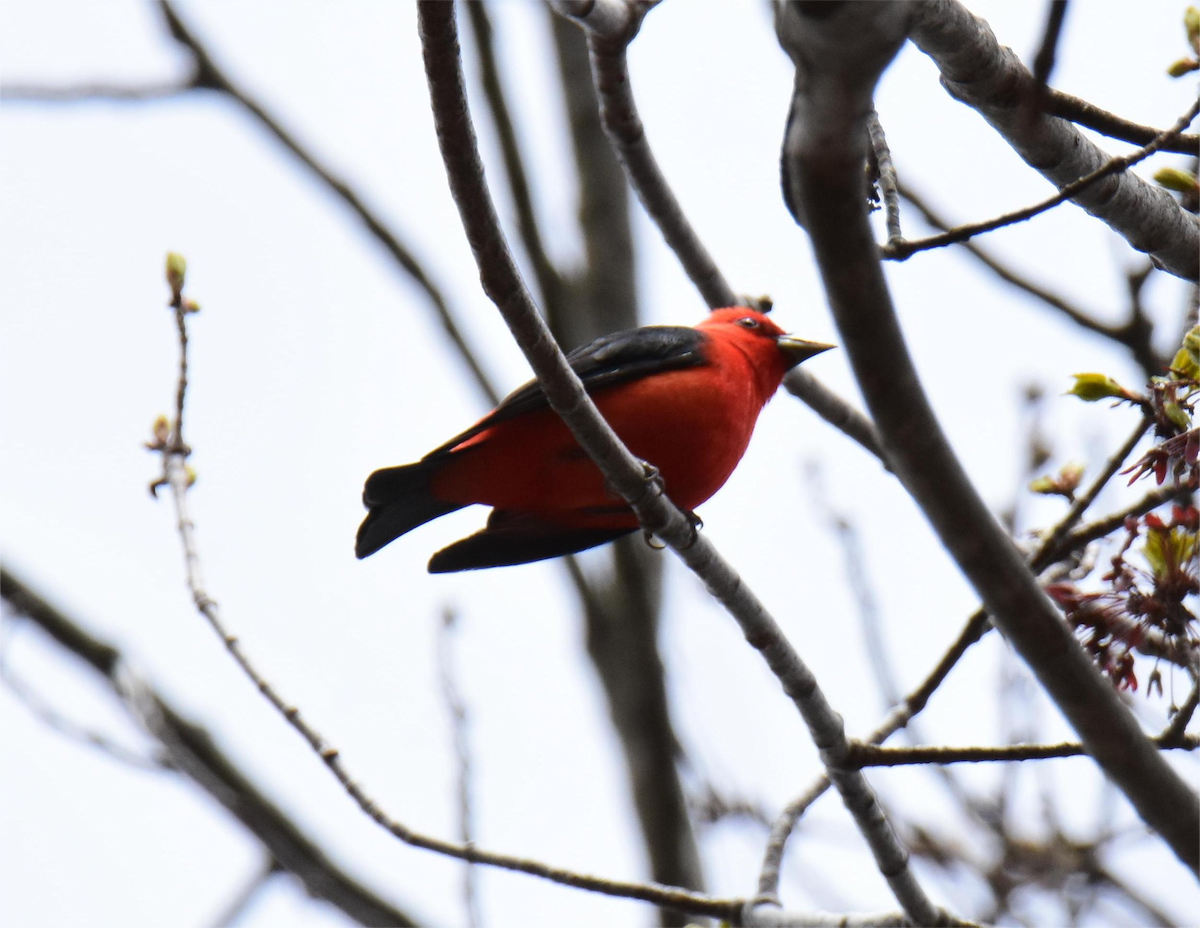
194 753
1080 111
657 514
870 755
905 248
607 40
977 71
1132 336
837 67
210 76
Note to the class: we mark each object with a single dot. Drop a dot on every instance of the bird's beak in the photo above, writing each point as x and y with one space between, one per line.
797 349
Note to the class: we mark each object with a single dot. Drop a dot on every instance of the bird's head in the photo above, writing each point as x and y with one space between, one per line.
760 338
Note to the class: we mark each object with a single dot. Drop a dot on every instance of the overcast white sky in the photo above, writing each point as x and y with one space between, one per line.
314 362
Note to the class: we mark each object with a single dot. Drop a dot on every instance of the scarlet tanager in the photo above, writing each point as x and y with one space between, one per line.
685 400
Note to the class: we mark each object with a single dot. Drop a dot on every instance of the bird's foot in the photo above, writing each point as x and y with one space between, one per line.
654 483
697 523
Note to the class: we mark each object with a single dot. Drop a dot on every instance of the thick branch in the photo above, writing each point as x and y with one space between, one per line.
611 73
979 72
824 152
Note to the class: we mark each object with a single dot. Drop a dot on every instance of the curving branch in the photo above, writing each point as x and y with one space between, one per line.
1113 167
628 476
210 76
1131 334
977 71
194 753
611 26
839 57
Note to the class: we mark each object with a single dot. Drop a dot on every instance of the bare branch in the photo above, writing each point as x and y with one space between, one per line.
550 284
68 728
236 908
1080 111
1043 61
1048 546
607 41
1093 531
870 755
834 410
767 916
210 76
193 753
1173 735
824 151
888 183
90 93
901 250
977 71
1133 336
174 453
627 475
457 710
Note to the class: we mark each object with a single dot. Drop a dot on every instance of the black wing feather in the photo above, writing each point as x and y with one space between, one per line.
608 361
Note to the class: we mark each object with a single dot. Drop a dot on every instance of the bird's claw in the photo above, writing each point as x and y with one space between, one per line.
654 481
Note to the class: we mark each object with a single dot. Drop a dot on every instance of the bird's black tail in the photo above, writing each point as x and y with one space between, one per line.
398 499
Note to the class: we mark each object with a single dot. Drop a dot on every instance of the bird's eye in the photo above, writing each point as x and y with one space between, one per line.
748 322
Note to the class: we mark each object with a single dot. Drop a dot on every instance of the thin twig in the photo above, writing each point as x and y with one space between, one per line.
237 907
888 182
870 755
1127 334
610 72
696 903
56 721
902 250
1087 114
1047 549
1093 531
193 753
550 284
1173 735
1043 61
210 76
457 711
90 93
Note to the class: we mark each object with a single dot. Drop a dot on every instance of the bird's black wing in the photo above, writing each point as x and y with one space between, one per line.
608 361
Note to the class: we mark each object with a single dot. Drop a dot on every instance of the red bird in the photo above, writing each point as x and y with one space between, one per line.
685 400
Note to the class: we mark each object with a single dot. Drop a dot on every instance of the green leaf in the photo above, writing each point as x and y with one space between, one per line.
1176 179
1191 344
1185 364
1180 419
1093 387
1152 550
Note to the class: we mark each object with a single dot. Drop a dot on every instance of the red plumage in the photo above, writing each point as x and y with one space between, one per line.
686 400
